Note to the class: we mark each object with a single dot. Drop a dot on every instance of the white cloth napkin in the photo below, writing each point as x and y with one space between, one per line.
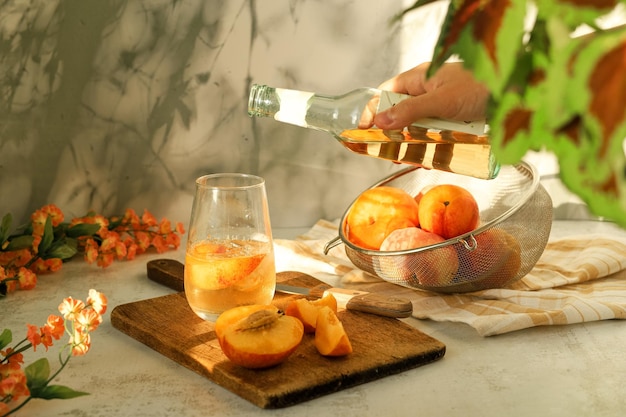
577 279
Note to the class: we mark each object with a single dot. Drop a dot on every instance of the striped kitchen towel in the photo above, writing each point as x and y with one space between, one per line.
577 279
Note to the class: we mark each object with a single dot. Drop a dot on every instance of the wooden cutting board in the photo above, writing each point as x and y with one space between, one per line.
382 346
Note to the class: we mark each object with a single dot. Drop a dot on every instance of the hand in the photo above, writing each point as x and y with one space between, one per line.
451 93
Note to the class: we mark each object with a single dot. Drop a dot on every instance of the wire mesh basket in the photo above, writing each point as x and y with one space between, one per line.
516 218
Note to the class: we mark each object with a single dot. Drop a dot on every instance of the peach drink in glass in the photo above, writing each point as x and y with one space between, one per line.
229 260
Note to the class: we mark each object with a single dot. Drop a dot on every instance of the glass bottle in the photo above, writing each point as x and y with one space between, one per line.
459 147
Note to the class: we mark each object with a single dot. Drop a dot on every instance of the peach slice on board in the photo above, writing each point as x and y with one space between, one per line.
331 338
306 310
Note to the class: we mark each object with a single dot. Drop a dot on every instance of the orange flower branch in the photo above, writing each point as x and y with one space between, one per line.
48 241
18 386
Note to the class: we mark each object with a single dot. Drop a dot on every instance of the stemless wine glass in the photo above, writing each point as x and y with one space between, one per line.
230 255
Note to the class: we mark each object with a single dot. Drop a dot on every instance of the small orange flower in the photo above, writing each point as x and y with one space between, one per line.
55 214
108 244
102 221
87 320
148 219
120 250
54 264
27 279
131 217
41 266
10 368
38 219
131 249
46 338
173 240
16 258
97 301
91 250
165 227
80 342
14 359
159 243
143 241
14 386
105 259
11 285
55 326
33 336
70 307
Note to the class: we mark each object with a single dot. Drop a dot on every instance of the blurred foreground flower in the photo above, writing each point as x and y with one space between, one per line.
18 386
48 241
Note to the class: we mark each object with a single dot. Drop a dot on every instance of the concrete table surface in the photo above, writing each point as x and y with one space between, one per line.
576 370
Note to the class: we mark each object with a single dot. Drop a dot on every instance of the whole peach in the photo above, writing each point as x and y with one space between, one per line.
448 210
497 258
430 268
377 212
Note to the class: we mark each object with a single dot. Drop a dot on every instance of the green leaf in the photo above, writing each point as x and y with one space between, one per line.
115 221
4 227
575 13
48 236
447 36
584 108
51 392
63 250
509 136
37 374
20 242
83 229
493 40
5 338
60 230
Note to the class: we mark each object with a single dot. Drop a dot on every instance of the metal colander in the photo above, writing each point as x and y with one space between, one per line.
516 217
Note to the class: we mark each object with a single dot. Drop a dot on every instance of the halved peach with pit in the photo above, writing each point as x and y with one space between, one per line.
258 336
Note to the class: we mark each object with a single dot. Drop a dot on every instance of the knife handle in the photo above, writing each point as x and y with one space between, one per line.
168 272
373 303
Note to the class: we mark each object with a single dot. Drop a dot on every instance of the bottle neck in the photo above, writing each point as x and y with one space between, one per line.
284 105
263 101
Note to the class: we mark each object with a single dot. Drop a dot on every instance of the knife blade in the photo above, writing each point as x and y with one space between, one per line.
367 302
170 272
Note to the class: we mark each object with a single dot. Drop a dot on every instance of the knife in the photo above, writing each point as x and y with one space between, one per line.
170 273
